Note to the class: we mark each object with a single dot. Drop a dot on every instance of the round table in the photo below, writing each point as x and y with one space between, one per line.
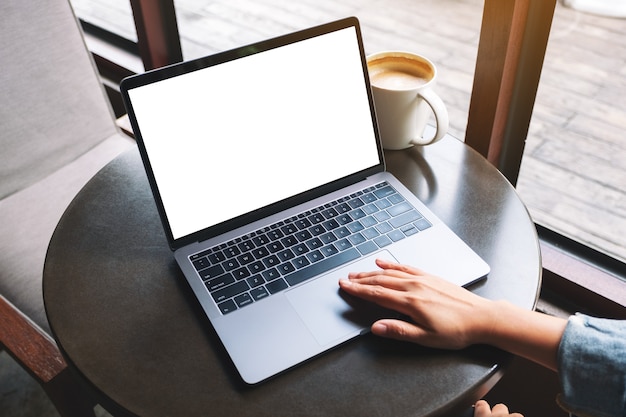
127 322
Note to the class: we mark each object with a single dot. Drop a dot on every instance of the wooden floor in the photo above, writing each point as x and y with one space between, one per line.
573 177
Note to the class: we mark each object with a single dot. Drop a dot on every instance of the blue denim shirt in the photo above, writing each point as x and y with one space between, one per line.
592 367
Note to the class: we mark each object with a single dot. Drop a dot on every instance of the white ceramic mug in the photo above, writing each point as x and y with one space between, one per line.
402 85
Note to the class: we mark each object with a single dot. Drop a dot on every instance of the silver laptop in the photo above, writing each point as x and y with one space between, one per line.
268 173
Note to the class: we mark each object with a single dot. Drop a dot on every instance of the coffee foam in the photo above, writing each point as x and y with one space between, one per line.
399 73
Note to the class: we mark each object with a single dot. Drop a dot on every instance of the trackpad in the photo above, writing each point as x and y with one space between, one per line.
330 314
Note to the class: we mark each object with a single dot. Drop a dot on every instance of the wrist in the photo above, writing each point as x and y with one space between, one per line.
492 322
530 334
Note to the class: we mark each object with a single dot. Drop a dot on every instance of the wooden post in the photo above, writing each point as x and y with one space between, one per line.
157 32
513 40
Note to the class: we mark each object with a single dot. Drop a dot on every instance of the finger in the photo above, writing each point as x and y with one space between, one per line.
388 268
482 409
383 281
389 265
399 330
381 272
501 410
380 294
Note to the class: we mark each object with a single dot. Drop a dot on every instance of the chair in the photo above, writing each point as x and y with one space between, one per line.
57 131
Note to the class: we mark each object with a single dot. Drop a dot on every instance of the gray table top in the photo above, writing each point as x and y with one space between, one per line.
126 320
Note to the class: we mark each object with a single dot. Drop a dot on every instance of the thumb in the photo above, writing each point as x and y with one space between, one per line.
397 329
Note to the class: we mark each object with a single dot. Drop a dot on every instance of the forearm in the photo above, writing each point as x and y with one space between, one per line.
532 335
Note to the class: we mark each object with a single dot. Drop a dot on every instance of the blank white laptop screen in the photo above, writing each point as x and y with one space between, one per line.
256 130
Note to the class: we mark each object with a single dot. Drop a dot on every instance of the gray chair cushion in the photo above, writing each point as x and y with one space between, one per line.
28 219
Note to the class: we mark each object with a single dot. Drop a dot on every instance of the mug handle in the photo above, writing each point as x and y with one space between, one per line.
441 116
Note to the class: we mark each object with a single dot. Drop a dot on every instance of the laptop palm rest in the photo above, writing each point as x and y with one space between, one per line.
332 319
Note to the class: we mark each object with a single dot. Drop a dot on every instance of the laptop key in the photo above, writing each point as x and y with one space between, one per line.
405 218
409 230
289 241
286 268
230 291
357 214
245 259
343 208
231 264
241 273
314 243
215 284
275 234
270 274
289 229
384 192
422 224
258 293
356 203
384 228
327 238
367 247
395 235
315 256
232 251
285 255
330 213
369 198
399 209
342 232
316 218
301 262
317 230
212 272
261 240
322 266
382 241
275 247
396 199
243 300
303 224
356 239
216 257
201 263
255 280
300 249
271 261
227 307
256 267
344 244
276 286
329 250
246 246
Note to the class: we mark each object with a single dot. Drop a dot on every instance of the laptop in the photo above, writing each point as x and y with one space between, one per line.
268 174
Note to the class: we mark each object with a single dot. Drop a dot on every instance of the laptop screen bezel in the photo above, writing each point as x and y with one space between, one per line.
197 64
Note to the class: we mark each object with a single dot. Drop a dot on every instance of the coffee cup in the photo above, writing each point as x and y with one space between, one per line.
402 86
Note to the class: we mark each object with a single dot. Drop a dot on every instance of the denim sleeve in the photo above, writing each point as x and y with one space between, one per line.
592 367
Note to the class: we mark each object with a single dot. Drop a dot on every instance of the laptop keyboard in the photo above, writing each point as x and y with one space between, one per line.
269 260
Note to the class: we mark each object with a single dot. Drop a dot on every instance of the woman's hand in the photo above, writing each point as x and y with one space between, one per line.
443 315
